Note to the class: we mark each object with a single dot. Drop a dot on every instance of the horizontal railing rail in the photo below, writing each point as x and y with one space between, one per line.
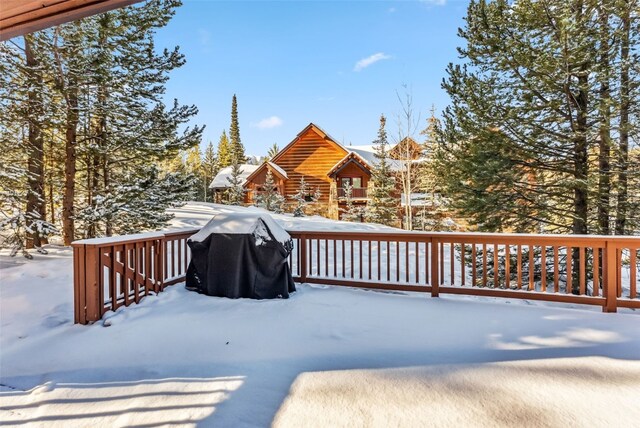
356 192
593 270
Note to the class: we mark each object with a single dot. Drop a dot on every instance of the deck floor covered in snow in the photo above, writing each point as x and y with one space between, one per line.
332 357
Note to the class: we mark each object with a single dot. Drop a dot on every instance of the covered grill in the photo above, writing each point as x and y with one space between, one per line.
241 255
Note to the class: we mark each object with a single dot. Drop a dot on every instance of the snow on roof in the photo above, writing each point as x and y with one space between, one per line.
279 169
221 181
243 223
367 154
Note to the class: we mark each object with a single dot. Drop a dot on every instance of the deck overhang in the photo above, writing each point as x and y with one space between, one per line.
19 17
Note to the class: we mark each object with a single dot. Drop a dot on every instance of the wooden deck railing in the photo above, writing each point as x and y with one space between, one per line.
118 271
356 192
592 270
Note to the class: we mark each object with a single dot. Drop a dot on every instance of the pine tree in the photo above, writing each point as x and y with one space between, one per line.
270 198
236 147
129 79
493 196
433 211
152 188
35 143
273 151
16 223
304 197
70 77
427 179
236 191
193 162
209 169
351 212
23 97
102 118
547 90
382 207
224 151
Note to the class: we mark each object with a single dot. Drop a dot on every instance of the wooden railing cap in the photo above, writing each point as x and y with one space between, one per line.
115 240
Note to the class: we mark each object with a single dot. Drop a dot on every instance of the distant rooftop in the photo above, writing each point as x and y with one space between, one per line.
221 181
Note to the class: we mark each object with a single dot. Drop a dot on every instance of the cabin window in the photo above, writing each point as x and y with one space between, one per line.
355 182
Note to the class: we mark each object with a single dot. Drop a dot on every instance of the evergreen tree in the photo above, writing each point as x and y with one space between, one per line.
98 101
152 188
351 212
194 167
23 97
273 151
128 81
432 215
547 90
303 197
270 198
427 178
209 169
70 77
236 191
16 222
35 143
382 206
236 147
224 151
496 196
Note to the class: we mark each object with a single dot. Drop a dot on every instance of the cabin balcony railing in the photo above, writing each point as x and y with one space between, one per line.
356 193
591 270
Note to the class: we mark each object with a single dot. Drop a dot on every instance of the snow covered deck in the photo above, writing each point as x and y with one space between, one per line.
335 356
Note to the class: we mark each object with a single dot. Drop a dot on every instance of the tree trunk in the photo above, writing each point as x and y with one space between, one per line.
50 174
604 155
581 146
623 156
68 226
581 169
93 163
36 208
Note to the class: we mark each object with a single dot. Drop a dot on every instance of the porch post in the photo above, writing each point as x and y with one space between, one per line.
333 200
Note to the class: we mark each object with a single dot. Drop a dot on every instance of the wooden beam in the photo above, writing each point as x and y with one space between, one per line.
19 17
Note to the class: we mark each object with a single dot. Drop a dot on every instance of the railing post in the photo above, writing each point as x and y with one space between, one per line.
435 273
303 258
79 300
92 269
610 278
160 265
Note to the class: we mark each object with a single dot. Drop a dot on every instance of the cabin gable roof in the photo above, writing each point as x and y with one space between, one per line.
311 127
274 168
354 158
407 144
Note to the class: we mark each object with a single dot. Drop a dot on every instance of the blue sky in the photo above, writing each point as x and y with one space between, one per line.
335 63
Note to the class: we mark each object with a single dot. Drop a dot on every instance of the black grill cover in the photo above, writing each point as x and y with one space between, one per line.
241 255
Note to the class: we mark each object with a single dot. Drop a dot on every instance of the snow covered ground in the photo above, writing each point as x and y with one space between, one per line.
328 356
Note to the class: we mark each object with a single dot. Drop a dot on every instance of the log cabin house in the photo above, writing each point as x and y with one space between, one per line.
326 165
